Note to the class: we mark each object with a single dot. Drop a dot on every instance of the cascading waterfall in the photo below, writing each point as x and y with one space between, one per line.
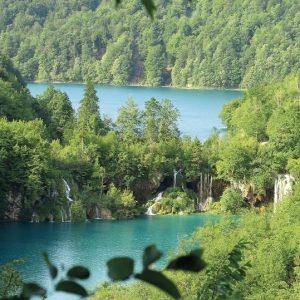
70 213
68 190
34 218
70 200
97 213
175 173
150 208
63 214
205 190
282 187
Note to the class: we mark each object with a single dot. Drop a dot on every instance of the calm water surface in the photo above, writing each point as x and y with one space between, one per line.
199 109
92 243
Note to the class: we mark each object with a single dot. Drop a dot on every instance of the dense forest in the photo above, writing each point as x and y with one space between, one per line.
55 154
207 43
256 257
62 165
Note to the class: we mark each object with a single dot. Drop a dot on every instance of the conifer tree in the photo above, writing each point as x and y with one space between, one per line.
89 120
152 119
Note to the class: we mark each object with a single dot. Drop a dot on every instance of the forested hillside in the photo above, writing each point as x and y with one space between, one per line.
208 43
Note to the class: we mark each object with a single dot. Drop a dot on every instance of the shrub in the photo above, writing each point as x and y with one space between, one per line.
78 212
231 200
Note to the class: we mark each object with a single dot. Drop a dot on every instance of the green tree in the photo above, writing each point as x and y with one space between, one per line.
232 200
152 120
169 115
88 120
55 108
154 65
236 157
129 122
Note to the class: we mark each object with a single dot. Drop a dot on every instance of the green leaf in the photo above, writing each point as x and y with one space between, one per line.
190 262
120 268
159 280
151 254
52 269
79 272
33 289
69 286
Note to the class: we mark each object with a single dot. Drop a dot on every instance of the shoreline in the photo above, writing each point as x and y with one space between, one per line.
142 216
142 85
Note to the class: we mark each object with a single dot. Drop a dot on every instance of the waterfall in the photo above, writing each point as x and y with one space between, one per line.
175 173
150 208
68 190
62 215
70 214
205 190
34 218
97 213
70 200
282 187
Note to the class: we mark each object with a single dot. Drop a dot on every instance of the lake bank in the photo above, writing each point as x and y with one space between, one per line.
200 88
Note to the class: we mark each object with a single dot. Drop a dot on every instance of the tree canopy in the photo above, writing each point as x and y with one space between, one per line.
188 43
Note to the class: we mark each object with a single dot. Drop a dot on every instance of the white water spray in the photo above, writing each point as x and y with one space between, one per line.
205 191
150 208
97 213
282 187
64 215
68 190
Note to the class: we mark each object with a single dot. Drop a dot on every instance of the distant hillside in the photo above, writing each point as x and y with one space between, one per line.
210 43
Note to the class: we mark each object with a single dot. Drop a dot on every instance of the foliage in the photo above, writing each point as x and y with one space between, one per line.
263 136
232 200
122 268
10 278
56 110
189 43
253 257
16 103
24 161
119 269
78 212
175 201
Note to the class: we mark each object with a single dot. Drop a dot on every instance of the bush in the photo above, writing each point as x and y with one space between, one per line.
116 199
231 200
174 201
78 212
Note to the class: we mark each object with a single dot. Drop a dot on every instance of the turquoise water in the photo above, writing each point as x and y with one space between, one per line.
92 243
199 109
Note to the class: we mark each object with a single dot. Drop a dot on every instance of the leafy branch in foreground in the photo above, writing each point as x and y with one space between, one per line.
119 269
122 268
65 282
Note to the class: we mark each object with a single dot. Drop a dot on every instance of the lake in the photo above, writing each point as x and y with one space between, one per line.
92 243
199 109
